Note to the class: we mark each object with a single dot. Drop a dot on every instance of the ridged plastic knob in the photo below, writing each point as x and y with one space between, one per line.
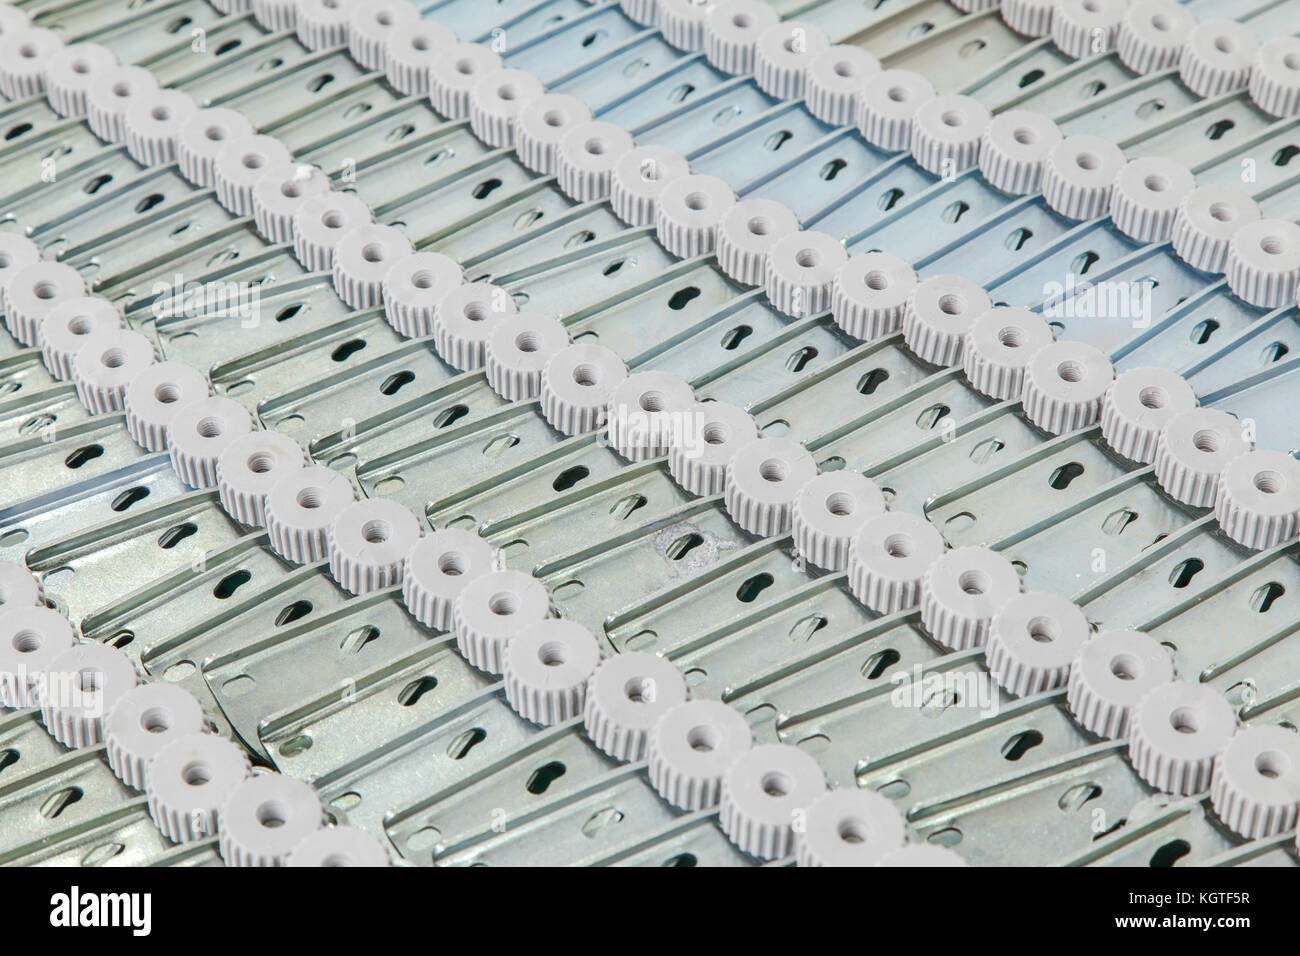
1064 385
763 480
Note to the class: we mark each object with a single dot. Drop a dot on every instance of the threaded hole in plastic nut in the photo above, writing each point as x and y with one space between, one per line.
898 94
716 433
507 92
1222 212
196 774
113 358
1272 245
422 279
1125 667
841 503
167 393
215 133
773 470
290 189
45 290
852 830
594 147
876 281
552 654
452 563
476 311
1291 61
974 581
952 118
1153 396
210 427
333 219
464 67
640 690
807 258
376 531
759 225
122 88
504 603
553 118
81 66
1043 630
1271 764
1269 482
652 401
1207 440
156 720
899 545
272 814
1184 720
1155 183
260 463
585 375
528 341
697 201
372 252
160 113
741 20
1161 22
253 160
844 68
89 681
951 304
1011 337
1088 161
703 739
1070 371
79 325
776 784
26 642
1024 135
311 498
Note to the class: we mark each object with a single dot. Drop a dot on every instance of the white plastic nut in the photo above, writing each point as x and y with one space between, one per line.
763 480
764 791
835 78
412 288
199 432
688 212
1110 674
1193 449
143 721
1032 18
1079 174
577 383
276 15
361 262
731 31
1217 56
495 101
202 136
71 73
626 696
1152 35
888 558
32 638
240 163
518 350
886 106
23 56
960 593
106 364
188 780
1263 263
1205 223
1175 731
1275 76
437 569
371 25
849 826
80 688
711 434
1138 405
465 319
644 12
66 327
249 467
277 195
16 253
153 397
265 817
1014 150
106 102
368 543
828 512
1146 196
946 133
339 846
747 233
1082 28
639 177
586 158
452 77
151 122
800 272
1064 385
540 126
997 349
320 224
33 291
545 669
682 22
323 23
300 507
1255 788
19 587
691 746
1258 502
410 54
870 294
1033 639
493 609
938 314
782 55
644 411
